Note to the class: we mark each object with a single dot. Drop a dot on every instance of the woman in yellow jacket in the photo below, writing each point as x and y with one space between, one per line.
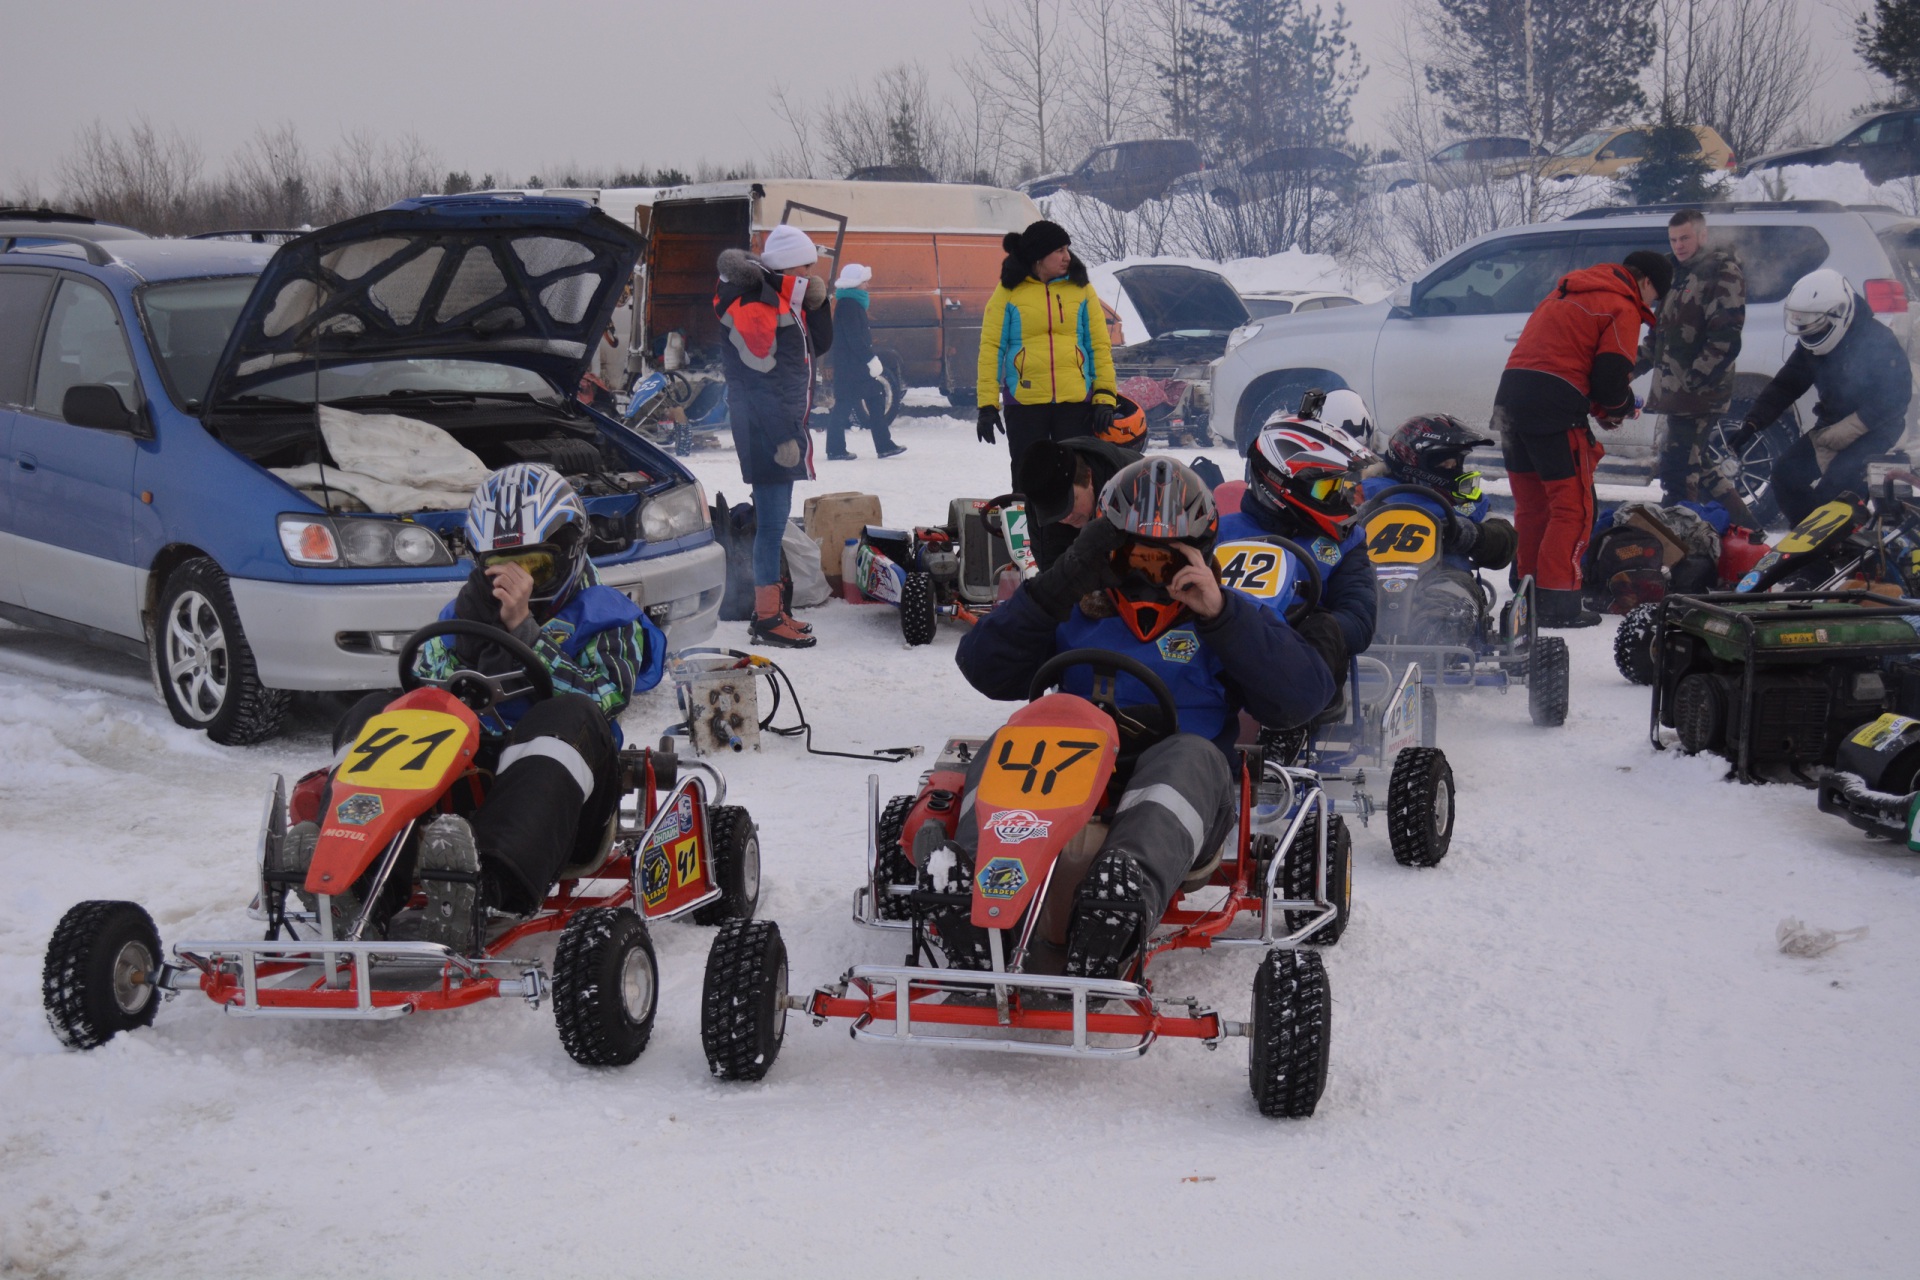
1044 352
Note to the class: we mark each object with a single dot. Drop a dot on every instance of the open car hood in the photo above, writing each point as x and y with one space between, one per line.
1170 298
517 280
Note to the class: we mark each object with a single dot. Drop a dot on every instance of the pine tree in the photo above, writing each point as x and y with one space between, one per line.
1673 171
1887 38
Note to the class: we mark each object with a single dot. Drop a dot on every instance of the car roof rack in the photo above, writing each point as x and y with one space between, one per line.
254 235
90 247
1712 206
21 213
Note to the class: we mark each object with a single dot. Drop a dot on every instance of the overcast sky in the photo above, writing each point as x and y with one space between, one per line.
522 86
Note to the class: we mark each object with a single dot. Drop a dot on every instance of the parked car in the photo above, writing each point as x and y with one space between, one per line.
1124 174
1440 343
1885 146
1286 302
1272 171
1603 153
167 485
1453 164
1187 314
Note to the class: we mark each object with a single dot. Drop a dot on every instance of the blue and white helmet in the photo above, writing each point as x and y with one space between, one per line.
524 509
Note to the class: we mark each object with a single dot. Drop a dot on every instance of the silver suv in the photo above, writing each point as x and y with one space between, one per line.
1440 343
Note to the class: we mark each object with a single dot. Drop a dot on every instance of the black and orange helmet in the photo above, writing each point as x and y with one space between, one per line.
1129 427
1157 503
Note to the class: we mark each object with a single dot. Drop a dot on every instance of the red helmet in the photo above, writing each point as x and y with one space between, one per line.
1157 503
1305 471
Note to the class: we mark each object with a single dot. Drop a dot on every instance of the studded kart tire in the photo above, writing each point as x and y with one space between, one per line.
201 663
1549 677
1700 712
733 845
1291 1035
1633 643
895 866
1420 807
606 987
918 620
1429 716
98 977
743 1016
1297 874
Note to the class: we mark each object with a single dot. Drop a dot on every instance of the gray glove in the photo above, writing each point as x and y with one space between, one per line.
787 454
1086 566
816 292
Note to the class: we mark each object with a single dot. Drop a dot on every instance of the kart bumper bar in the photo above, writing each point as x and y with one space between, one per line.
340 985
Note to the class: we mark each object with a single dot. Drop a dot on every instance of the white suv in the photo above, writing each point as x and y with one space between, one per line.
1439 344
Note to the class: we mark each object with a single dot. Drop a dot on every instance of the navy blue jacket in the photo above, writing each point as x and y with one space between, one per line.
1866 373
1247 657
1347 577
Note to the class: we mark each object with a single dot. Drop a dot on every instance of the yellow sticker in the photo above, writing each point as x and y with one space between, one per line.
1402 535
1040 767
404 751
1879 732
686 862
1797 637
1257 569
1816 528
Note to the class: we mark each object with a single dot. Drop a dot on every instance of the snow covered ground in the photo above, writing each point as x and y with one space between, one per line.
1574 1049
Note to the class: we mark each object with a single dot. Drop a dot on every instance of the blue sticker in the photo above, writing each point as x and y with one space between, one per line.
1749 582
1003 878
1326 551
358 810
1179 646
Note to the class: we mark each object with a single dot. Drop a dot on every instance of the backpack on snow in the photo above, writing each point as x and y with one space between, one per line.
734 527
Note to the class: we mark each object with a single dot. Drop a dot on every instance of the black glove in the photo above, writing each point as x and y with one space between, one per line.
1496 544
1087 565
988 424
476 603
1322 630
1101 418
1461 535
1738 441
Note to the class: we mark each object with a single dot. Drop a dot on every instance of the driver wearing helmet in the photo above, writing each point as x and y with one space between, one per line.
1858 367
1138 581
1432 450
553 761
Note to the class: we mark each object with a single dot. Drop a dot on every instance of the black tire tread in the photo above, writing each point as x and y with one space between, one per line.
895 866
1633 643
594 1029
919 623
255 712
740 1024
1549 676
1296 877
81 1014
729 826
1418 774
1291 1035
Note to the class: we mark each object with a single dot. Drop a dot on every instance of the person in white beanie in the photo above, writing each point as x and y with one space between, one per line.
776 320
859 399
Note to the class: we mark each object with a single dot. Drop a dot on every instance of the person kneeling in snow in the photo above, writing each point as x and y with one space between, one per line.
1137 581
554 769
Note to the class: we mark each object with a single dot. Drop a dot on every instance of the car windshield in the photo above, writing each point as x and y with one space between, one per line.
189 322
1586 144
401 378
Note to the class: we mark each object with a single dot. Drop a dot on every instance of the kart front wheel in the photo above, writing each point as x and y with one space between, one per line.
1297 877
743 1013
1549 675
919 621
1420 807
895 867
733 852
606 987
1291 1034
1633 643
98 979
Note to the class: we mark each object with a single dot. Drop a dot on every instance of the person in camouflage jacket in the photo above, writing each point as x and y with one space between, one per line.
1691 351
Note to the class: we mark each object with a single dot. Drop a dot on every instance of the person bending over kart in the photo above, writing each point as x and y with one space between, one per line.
1061 481
1137 581
553 761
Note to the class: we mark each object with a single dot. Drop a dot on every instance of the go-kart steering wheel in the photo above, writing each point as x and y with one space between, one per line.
1312 584
480 692
1379 500
1136 733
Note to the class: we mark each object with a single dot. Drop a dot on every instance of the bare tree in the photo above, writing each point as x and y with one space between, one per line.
1109 91
1020 69
796 158
1170 49
370 172
1743 67
146 179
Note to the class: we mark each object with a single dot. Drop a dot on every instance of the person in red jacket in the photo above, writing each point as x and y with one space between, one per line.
1574 359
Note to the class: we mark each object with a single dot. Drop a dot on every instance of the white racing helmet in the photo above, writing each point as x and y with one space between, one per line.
528 513
1346 410
1819 310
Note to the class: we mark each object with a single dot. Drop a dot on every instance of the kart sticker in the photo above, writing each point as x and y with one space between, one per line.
1884 732
1030 763
408 750
1179 646
683 814
1016 826
1402 535
655 877
1003 877
1326 551
876 576
1256 569
1816 528
1749 581
686 862
358 810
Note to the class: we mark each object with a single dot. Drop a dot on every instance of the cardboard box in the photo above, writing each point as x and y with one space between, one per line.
1672 551
831 518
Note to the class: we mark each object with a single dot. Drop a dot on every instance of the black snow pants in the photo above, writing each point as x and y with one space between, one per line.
1029 423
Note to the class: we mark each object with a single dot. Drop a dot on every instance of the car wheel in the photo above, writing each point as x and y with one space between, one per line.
202 664
963 397
1283 397
1755 482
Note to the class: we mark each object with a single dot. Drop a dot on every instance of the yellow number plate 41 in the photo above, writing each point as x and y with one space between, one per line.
404 751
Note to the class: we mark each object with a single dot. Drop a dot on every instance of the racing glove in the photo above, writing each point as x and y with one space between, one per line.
1102 418
476 603
1322 630
1494 544
1738 441
988 424
1086 566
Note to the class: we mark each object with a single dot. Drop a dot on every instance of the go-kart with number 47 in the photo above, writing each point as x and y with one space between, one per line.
341 892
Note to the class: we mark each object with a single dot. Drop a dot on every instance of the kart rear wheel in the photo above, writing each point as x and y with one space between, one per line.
1420 807
1296 878
99 972
1549 674
733 850
1700 712
1429 716
743 1015
895 866
606 987
201 664
1633 643
919 623
1291 1034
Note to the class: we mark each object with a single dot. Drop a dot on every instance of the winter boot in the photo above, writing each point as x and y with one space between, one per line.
1564 611
1109 918
773 625
449 871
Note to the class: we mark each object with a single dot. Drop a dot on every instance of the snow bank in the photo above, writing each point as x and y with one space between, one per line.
1846 183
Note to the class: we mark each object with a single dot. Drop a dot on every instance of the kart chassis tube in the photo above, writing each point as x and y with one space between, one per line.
1717 603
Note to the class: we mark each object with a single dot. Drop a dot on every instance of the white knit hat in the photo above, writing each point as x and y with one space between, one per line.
853 276
788 247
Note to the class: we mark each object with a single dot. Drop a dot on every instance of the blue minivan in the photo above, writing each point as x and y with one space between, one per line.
249 465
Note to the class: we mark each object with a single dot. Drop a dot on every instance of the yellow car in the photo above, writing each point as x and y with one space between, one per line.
1605 152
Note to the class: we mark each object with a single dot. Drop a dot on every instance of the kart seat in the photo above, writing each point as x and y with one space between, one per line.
604 846
1202 872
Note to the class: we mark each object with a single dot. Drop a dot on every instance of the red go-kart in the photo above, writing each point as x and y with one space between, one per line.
1043 805
670 848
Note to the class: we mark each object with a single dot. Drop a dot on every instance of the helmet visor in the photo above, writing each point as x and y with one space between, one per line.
543 563
1332 490
1148 562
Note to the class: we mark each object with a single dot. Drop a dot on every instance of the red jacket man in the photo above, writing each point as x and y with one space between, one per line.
1574 359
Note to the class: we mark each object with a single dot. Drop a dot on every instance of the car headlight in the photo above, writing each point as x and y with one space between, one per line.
675 514
349 543
1240 335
